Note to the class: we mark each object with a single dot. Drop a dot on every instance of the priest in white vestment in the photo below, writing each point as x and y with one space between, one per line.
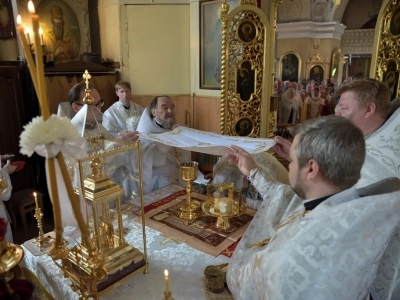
328 246
160 162
124 114
366 103
5 194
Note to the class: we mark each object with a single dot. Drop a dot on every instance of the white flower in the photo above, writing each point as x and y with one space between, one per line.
49 137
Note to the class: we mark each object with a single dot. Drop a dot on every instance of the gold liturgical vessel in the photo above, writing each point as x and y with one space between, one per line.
118 259
223 202
189 209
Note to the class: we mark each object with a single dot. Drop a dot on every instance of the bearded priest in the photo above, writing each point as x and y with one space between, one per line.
318 238
160 162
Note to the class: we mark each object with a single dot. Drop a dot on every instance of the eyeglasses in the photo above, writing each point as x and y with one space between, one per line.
98 104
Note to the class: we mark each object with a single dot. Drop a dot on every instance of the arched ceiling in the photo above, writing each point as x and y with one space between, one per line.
326 11
310 10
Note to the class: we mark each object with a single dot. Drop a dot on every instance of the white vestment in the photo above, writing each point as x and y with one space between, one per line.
114 118
382 159
65 110
159 162
331 253
5 196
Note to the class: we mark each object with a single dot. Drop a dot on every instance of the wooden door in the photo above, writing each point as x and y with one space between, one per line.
12 120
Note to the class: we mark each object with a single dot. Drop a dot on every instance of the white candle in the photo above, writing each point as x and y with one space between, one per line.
36 200
41 35
166 281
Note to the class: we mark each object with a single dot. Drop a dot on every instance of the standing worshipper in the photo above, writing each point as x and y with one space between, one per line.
288 107
314 105
300 242
123 115
5 194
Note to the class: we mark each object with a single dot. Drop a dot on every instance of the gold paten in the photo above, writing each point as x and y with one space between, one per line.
246 70
10 256
189 209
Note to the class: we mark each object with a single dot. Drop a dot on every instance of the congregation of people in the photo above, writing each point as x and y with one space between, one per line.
305 100
326 228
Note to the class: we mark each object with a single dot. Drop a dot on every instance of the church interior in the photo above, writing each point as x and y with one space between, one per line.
220 83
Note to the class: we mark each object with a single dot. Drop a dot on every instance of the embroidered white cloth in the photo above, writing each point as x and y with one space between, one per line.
185 264
207 142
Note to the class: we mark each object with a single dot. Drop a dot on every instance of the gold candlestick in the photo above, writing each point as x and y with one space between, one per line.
41 240
167 293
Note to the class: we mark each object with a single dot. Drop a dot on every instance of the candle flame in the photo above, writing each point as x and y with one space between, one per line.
27 30
19 20
40 30
166 273
34 194
31 7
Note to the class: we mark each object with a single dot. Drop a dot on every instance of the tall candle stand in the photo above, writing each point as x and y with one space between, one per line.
41 240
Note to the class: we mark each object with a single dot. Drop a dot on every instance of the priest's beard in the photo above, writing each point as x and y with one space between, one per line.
298 188
168 123
58 30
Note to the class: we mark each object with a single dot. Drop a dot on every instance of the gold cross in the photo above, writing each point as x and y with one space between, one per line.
86 76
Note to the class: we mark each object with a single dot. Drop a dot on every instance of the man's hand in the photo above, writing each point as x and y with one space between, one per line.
282 147
242 159
129 136
9 167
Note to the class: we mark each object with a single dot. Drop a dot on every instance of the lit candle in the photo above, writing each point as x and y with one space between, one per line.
39 63
36 201
41 35
27 51
166 281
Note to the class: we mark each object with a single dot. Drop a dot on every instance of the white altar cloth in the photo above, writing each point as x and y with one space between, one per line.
185 265
208 142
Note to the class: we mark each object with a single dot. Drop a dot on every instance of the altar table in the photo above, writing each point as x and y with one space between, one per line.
185 265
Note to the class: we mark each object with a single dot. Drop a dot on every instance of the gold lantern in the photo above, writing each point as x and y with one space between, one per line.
102 195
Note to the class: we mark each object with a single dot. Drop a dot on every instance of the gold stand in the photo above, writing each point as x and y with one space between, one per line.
168 296
41 240
211 206
189 210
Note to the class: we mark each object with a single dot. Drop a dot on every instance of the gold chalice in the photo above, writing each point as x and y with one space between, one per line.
189 210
